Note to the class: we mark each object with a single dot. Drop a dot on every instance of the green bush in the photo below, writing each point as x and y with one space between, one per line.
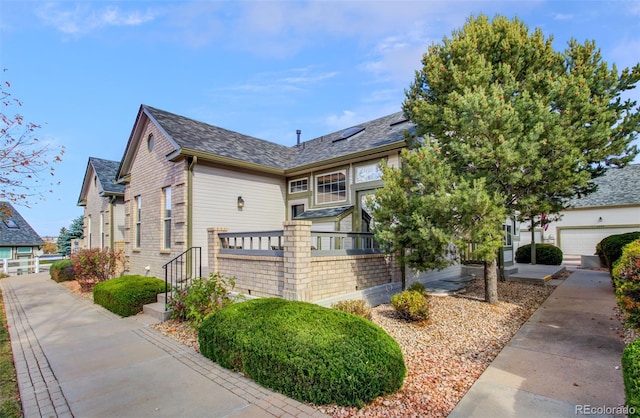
95 265
305 351
546 254
626 280
126 295
418 287
631 376
201 297
62 271
609 249
411 305
355 307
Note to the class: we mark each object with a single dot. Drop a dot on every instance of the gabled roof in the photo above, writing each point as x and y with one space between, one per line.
21 234
618 186
105 171
193 135
193 138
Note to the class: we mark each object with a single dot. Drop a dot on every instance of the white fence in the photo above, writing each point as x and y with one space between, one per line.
26 265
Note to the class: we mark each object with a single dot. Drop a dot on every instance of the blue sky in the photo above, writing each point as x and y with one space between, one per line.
262 68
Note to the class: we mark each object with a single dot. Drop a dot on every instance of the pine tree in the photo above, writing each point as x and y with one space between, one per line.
427 214
502 106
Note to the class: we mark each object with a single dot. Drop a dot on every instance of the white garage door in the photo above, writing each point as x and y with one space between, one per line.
584 241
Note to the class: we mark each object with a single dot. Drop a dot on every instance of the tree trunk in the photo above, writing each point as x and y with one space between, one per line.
403 271
491 281
533 241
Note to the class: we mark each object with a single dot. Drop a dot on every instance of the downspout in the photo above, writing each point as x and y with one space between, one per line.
192 163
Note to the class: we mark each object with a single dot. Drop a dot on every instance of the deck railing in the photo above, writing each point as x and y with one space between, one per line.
272 243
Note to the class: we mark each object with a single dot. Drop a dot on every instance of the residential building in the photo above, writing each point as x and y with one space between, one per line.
18 240
103 202
614 208
183 176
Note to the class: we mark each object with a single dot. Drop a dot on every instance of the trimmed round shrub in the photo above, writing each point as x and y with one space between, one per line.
609 250
126 295
546 254
411 305
631 377
355 307
62 270
305 351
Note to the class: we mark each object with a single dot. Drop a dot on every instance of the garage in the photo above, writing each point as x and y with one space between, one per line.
583 241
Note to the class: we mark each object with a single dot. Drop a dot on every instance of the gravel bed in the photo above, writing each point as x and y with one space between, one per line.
444 355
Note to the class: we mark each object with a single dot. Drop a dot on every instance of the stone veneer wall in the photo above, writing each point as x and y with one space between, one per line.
333 276
255 275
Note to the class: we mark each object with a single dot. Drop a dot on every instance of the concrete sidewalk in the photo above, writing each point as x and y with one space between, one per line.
563 362
75 359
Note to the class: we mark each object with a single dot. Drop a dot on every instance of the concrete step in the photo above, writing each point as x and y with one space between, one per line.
157 310
161 297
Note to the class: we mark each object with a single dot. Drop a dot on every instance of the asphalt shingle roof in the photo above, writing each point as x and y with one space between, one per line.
618 186
323 213
22 235
376 133
199 136
106 171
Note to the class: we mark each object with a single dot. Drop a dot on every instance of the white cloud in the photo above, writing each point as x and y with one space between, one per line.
625 53
346 119
294 79
562 16
83 18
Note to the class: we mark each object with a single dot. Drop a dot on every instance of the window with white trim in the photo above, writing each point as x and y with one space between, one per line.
89 230
137 213
298 185
508 234
369 172
331 187
297 210
102 230
166 218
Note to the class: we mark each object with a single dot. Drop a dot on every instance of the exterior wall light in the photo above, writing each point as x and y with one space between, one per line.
240 202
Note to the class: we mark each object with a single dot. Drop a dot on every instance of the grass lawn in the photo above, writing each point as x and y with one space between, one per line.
9 395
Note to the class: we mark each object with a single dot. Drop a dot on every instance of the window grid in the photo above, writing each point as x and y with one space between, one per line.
297 186
166 218
137 215
331 187
102 230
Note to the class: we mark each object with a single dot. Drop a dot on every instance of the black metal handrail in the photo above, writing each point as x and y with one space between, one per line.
181 269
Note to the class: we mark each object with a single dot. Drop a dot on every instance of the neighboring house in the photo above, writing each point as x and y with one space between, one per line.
614 208
18 240
183 177
103 202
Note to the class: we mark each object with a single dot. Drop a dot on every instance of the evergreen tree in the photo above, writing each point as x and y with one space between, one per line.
535 124
75 231
427 214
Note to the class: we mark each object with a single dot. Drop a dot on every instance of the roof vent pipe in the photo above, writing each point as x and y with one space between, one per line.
298 132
